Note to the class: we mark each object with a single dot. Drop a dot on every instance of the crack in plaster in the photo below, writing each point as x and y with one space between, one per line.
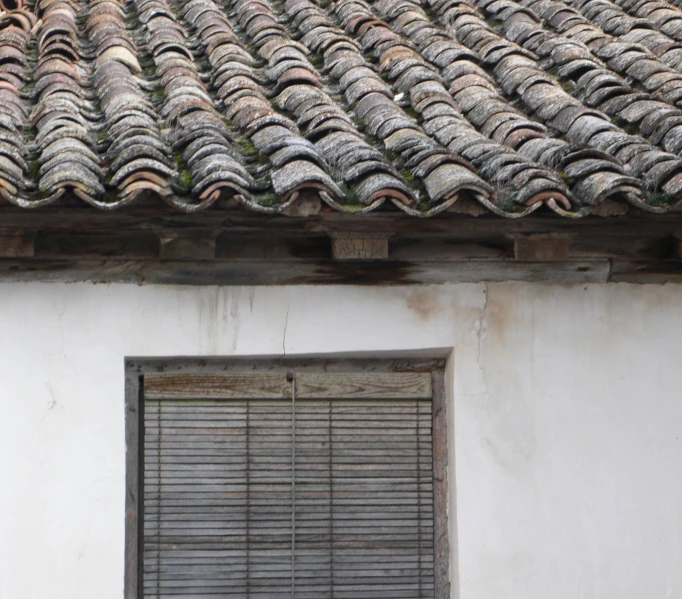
284 336
53 403
62 332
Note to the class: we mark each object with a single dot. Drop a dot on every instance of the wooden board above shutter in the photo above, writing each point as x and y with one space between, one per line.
363 385
248 385
265 385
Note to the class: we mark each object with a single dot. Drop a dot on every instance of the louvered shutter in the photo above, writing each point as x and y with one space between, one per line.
262 488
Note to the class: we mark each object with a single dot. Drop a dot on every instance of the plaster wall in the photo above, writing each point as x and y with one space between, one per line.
567 421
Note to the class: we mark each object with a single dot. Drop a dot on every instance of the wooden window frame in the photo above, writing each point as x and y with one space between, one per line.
136 368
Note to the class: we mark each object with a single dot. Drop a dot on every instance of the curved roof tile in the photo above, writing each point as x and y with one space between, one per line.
507 106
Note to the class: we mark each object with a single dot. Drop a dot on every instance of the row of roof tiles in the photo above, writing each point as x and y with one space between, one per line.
425 105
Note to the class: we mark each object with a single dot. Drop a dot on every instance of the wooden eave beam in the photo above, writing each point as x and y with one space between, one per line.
16 242
236 247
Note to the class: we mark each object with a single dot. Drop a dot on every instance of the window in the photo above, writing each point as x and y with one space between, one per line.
290 482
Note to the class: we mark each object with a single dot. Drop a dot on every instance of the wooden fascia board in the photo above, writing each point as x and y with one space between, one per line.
232 247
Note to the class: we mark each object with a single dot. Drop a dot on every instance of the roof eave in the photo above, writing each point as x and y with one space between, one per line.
233 247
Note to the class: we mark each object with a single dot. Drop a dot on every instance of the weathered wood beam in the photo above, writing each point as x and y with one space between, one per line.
631 225
643 272
179 244
253 272
235 247
678 247
130 244
16 242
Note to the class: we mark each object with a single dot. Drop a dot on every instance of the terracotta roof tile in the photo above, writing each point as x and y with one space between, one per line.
423 105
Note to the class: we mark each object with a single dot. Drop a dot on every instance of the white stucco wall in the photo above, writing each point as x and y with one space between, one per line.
567 421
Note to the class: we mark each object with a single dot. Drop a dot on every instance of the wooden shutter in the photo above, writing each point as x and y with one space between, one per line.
261 488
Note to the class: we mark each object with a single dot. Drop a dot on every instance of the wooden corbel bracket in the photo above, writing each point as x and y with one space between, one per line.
540 247
347 245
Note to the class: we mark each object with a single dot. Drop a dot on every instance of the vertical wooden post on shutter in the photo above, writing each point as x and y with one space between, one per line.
292 379
331 504
134 404
247 542
440 487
